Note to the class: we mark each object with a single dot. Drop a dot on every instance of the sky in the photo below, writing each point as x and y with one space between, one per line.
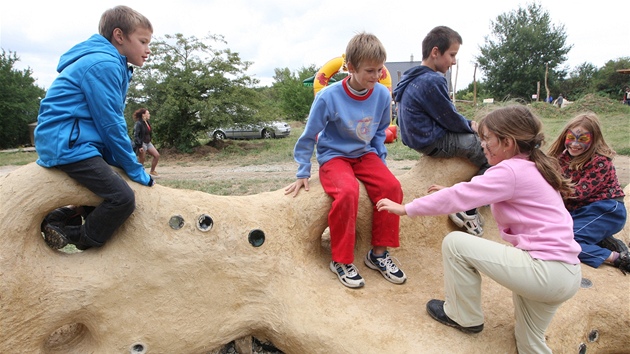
295 34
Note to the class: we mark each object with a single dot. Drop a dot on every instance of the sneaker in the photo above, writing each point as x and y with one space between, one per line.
154 174
472 223
386 266
348 274
54 236
435 308
613 244
623 262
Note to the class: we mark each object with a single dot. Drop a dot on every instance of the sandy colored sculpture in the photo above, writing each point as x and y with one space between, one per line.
155 289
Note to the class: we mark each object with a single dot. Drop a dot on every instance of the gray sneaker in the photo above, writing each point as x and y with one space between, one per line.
472 223
347 274
386 266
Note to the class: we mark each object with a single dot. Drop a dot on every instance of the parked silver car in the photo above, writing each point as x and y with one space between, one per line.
265 130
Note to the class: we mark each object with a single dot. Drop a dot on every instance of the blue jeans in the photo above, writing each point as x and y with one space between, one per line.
466 145
118 198
594 222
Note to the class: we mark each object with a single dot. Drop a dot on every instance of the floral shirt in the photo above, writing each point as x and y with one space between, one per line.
597 180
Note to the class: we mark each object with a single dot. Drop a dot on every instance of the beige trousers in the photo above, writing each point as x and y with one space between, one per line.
538 287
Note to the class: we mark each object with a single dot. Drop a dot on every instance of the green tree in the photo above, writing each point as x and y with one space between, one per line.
580 81
516 52
19 102
608 82
191 87
295 99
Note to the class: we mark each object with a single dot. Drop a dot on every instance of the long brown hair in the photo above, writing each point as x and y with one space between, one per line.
519 124
590 122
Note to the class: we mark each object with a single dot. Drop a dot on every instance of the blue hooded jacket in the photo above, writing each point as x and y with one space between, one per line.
82 115
425 111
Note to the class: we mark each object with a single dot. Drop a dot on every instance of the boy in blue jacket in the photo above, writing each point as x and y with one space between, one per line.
428 120
348 120
81 128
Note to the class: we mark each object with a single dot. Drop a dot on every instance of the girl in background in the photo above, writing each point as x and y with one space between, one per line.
597 206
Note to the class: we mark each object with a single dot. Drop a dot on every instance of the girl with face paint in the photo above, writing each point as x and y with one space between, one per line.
597 206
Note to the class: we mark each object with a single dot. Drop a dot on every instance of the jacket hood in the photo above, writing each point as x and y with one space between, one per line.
407 77
95 44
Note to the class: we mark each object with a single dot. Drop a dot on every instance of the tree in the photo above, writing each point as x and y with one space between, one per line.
191 87
608 82
580 81
19 102
295 99
516 52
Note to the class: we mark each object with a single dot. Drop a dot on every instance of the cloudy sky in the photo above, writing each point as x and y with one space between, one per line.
297 33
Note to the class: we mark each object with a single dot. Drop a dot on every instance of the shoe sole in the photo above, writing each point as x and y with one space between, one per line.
462 224
369 264
613 244
351 286
54 239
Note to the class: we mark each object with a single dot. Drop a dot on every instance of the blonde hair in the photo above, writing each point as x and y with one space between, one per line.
365 47
590 122
519 124
123 17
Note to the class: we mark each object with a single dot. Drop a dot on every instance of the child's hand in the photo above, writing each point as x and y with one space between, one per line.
296 186
435 188
391 207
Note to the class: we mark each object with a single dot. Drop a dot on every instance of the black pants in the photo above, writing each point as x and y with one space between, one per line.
118 198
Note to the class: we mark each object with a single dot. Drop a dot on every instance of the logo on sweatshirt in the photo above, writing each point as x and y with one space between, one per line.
364 129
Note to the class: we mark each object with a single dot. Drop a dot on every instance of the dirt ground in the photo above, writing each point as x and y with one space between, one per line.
179 168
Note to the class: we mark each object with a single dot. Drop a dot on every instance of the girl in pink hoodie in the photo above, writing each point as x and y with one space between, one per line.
524 189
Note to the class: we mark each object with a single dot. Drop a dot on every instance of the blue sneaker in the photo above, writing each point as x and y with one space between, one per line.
386 266
347 274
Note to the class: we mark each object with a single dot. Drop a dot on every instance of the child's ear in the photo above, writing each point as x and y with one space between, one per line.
118 35
350 67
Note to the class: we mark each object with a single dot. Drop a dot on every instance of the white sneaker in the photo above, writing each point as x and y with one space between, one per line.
347 274
472 223
386 266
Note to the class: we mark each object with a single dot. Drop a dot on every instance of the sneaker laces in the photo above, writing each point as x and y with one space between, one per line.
387 262
350 270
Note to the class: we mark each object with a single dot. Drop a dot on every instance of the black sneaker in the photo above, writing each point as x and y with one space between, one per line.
435 308
347 274
613 244
386 266
623 262
54 236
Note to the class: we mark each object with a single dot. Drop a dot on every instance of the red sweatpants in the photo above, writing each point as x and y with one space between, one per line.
339 180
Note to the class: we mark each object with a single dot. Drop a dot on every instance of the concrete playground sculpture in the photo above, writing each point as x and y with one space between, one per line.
189 272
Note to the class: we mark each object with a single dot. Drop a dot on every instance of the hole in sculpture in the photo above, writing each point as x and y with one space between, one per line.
176 222
593 336
63 225
256 237
66 336
582 348
204 223
138 348
586 283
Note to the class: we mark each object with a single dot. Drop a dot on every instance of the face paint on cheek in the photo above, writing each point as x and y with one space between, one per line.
583 140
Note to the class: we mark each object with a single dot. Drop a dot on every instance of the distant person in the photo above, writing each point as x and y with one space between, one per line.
142 134
428 119
626 96
550 99
540 264
560 101
347 123
81 126
597 205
